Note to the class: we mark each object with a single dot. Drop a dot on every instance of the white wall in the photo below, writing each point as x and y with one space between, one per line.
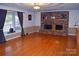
37 18
26 22
73 18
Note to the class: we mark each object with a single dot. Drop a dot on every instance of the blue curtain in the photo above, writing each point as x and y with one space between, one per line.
2 20
20 16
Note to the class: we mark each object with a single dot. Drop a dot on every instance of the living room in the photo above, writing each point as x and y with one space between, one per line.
49 30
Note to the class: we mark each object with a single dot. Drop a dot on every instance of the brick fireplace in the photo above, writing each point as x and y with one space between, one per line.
55 23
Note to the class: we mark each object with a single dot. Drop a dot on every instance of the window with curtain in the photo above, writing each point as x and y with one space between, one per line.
11 21
8 23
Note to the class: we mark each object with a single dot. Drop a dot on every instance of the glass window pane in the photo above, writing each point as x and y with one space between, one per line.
17 24
8 23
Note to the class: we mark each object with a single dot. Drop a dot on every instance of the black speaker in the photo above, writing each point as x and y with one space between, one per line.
11 30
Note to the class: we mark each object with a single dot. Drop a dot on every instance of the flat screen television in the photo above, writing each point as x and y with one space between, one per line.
47 26
59 27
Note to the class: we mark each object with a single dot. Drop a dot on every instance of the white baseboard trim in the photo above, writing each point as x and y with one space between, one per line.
12 38
72 34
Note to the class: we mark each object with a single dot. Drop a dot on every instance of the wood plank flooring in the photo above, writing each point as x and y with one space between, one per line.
37 44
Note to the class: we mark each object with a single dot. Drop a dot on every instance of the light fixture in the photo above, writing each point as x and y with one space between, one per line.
36 6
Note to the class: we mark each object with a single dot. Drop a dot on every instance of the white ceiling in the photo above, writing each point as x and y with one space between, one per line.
45 6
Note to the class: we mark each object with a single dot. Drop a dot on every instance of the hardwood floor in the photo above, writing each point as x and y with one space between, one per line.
37 44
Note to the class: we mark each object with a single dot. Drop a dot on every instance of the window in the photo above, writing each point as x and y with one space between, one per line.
17 25
12 21
8 23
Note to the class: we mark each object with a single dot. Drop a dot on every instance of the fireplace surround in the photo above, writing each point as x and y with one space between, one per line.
47 26
59 27
55 23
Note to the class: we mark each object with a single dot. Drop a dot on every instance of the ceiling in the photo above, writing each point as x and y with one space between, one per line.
44 6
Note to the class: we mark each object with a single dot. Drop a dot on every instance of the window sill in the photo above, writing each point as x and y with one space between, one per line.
11 36
7 34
